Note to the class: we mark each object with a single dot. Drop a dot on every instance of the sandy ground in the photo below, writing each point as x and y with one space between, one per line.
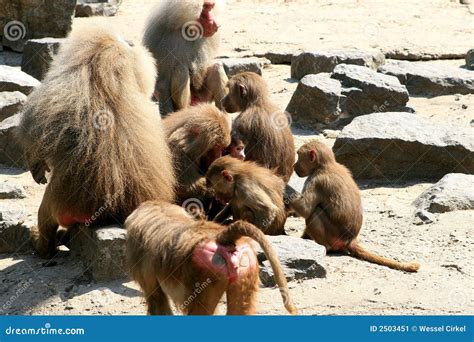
444 284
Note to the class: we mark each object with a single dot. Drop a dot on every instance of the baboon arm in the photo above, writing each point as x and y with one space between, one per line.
302 204
223 214
181 88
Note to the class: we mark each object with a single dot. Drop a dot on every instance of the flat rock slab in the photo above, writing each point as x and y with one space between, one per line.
233 66
455 191
278 57
431 80
300 259
399 146
10 152
13 79
102 251
38 54
10 103
11 190
411 54
325 61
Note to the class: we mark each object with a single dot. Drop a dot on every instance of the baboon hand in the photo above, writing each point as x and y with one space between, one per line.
38 171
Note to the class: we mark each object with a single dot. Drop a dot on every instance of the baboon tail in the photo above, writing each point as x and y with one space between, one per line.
359 252
241 228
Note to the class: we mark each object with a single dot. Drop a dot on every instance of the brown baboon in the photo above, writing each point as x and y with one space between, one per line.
236 148
254 193
331 205
265 129
194 262
197 136
92 123
183 37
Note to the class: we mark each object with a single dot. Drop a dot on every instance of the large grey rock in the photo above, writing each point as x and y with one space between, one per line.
233 66
13 79
14 227
300 259
396 146
369 91
10 152
22 20
455 191
325 61
38 54
470 59
102 251
431 80
10 103
11 190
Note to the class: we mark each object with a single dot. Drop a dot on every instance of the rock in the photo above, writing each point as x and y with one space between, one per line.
10 103
13 79
14 227
455 191
300 259
102 251
93 9
233 66
411 54
368 91
11 190
431 80
22 20
325 61
396 146
423 217
470 59
316 100
38 54
10 58
10 152
278 57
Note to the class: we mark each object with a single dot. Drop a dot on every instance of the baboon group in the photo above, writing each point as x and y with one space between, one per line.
93 132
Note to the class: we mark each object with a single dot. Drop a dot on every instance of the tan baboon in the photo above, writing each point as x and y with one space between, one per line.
265 130
254 193
183 37
92 123
193 262
331 205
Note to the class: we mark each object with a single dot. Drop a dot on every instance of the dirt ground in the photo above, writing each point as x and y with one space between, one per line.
444 284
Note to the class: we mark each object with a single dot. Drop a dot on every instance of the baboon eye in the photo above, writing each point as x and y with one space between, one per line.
218 260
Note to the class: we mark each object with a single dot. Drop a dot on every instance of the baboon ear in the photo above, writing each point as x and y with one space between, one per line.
227 176
313 156
242 90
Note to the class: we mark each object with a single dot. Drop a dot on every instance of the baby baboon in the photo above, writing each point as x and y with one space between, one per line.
197 136
254 193
183 37
265 130
193 262
331 205
92 123
236 148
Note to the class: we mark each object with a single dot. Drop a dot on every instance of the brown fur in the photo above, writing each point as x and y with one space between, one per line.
186 67
160 244
267 141
331 205
197 136
93 166
255 194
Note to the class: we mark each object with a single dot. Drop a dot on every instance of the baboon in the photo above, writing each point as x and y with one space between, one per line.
253 193
194 262
236 148
265 129
183 37
331 205
92 123
197 136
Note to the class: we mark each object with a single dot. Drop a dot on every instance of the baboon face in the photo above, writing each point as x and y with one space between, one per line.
306 163
232 101
222 184
237 149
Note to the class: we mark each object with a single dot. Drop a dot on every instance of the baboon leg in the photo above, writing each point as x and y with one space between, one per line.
216 81
316 228
181 88
241 295
157 301
44 238
206 302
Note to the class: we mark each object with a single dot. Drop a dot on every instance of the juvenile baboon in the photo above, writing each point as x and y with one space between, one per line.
265 129
193 262
197 136
182 36
236 148
331 205
254 193
92 123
